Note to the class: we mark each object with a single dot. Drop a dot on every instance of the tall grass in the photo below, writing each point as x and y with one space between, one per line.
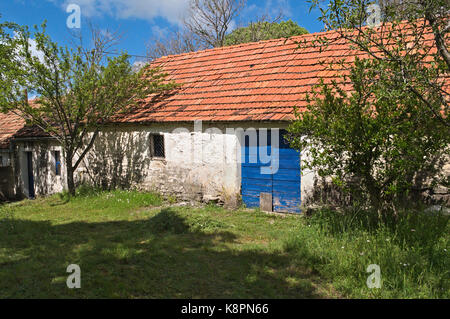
411 250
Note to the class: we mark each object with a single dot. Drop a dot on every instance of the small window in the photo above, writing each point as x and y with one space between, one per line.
57 163
157 146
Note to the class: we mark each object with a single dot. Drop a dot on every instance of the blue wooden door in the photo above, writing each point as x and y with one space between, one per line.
255 180
286 180
279 177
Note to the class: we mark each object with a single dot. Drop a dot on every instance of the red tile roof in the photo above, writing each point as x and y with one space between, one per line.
260 81
10 124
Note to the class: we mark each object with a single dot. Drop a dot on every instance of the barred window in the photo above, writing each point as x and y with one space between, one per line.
157 146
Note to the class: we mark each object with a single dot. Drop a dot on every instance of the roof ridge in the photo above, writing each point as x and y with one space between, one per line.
324 32
240 45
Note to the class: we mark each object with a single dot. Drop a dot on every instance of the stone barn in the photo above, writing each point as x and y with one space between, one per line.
218 137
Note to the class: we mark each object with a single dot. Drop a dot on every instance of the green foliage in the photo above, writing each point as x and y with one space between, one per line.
79 89
264 30
7 53
377 141
380 130
411 251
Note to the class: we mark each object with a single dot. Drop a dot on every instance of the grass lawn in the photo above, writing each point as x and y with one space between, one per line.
127 247
135 245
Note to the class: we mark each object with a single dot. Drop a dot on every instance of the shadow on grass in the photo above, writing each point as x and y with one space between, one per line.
162 257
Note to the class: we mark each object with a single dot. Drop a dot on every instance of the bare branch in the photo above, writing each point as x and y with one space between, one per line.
210 20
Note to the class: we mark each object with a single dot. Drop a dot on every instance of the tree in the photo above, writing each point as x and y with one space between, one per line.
177 42
79 90
264 30
210 20
387 139
7 51
205 26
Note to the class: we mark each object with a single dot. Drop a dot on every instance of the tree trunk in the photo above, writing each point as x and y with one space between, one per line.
70 180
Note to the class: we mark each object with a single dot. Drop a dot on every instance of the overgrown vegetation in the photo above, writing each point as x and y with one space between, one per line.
138 245
412 252
380 129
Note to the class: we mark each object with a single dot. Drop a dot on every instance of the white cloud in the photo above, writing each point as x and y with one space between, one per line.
32 46
34 50
277 6
137 65
270 9
159 32
171 10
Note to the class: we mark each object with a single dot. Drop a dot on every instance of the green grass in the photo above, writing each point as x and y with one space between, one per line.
412 252
138 245
134 245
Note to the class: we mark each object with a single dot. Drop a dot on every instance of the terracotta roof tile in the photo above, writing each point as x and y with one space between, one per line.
10 124
260 81
253 81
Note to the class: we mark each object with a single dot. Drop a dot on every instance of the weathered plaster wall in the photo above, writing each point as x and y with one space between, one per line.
201 163
441 193
45 179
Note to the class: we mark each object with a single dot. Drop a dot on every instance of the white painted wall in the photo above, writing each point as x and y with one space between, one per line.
202 160
308 179
45 179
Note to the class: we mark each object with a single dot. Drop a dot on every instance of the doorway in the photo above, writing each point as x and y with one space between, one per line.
31 191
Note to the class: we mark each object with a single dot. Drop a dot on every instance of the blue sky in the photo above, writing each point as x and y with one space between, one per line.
138 20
